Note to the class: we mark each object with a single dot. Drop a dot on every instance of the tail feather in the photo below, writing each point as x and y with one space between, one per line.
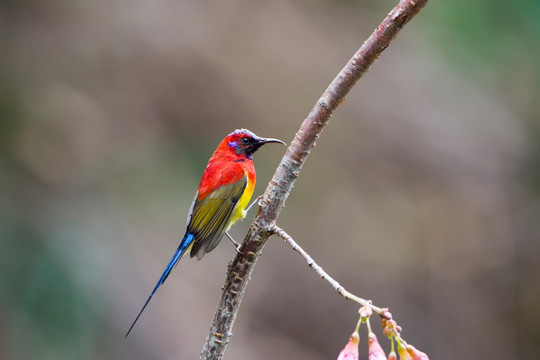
184 244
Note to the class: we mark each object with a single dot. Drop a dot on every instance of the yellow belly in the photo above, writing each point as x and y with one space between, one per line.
240 210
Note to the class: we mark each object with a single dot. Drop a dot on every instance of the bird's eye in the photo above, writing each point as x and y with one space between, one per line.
245 140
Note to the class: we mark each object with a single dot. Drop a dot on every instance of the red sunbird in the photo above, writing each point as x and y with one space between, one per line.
224 192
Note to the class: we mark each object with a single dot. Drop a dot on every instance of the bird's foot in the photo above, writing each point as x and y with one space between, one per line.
237 246
256 201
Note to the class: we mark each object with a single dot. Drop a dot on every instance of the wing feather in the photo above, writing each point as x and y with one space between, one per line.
212 215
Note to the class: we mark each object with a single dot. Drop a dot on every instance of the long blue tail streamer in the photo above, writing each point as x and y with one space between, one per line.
186 241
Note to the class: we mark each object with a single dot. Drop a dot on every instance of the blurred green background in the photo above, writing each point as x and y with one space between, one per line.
423 193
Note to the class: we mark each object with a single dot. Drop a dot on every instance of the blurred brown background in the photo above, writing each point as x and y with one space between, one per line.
423 193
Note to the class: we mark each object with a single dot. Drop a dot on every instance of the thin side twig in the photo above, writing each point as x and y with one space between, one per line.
382 312
282 182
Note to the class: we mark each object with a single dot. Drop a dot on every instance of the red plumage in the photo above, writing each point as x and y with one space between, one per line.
222 197
226 166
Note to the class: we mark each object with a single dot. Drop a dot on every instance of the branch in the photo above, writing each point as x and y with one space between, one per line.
382 312
278 189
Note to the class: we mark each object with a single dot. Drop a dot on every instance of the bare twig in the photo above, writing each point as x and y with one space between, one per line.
382 312
278 189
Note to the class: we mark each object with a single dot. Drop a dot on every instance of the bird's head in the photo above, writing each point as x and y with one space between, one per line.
244 143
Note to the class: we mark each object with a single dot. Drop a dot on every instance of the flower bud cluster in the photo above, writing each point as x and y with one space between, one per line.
391 330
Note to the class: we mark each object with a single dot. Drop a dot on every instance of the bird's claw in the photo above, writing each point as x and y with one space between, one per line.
237 248
256 201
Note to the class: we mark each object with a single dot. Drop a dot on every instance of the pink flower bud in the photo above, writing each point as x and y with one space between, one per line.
350 351
365 312
391 328
392 355
403 354
375 350
416 354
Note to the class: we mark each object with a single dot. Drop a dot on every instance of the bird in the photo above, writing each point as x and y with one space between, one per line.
222 198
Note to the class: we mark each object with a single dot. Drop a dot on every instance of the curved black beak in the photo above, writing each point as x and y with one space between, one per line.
263 141
257 143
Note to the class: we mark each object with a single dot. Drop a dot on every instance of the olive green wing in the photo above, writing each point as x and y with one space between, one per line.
211 216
